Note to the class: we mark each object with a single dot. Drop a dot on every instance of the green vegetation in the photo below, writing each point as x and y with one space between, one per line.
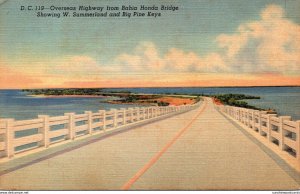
125 96
121 91
129 97
69 91
236 100
228 99
141 99
198 98
163 104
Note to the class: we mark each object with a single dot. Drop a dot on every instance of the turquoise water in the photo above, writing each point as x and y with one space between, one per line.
15 103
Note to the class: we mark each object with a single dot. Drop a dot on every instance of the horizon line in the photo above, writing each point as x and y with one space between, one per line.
152 87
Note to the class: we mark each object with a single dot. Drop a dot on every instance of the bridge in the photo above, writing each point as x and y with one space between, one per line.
196 147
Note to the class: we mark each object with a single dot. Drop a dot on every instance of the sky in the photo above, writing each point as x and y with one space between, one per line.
204 43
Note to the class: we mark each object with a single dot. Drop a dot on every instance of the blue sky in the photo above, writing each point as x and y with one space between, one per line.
194 28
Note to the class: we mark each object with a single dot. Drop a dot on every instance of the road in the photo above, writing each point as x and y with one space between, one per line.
197 150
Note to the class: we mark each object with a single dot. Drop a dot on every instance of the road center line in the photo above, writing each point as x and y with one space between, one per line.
154 159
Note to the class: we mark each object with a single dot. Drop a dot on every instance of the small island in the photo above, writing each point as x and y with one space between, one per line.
123 97
127 97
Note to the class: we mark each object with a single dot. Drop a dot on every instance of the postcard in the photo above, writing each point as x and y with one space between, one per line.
101 95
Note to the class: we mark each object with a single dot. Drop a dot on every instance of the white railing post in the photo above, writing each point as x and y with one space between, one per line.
250 116
152 112
144 113
124 115
89 121
253 120
115 117
137 113
281 131
269 126
103 113
147 113
245 116
71 134
298 141
45 130
131 114
9 139
234 112
259 123
242 115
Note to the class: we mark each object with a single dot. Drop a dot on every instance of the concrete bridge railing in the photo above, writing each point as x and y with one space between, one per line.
19 136
280 131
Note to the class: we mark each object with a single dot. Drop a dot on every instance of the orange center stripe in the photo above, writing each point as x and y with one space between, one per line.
128 184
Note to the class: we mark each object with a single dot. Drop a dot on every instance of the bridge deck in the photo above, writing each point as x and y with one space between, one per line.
208 152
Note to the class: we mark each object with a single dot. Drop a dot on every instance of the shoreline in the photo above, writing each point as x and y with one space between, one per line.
271 106
170 100
66 96
125 97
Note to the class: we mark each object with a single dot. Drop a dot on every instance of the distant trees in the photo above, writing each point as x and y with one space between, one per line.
236 100
128 97
67 91
161 103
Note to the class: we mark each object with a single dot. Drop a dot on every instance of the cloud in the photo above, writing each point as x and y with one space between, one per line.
261 52
146 58
271 44
176 59
268 45
272 12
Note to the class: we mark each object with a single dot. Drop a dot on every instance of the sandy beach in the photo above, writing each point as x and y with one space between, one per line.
171 100
176 101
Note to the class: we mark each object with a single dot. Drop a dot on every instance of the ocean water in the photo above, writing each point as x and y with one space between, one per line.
15 103
285 100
